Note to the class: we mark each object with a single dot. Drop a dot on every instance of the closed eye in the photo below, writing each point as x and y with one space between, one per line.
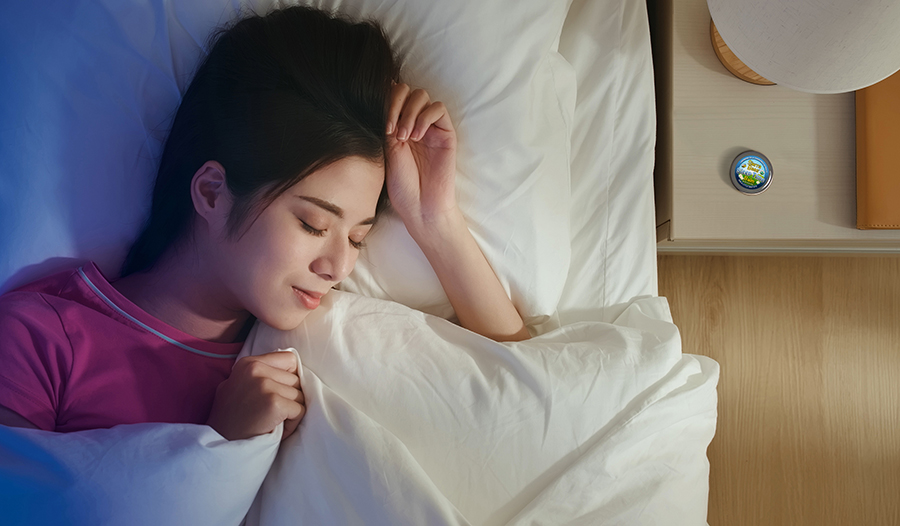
358 245
311 230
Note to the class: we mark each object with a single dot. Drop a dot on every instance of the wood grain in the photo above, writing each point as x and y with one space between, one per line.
731 62
809 404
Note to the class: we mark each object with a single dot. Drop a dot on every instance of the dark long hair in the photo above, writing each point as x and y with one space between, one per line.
278 97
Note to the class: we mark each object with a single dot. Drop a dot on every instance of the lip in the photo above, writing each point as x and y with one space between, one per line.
309 299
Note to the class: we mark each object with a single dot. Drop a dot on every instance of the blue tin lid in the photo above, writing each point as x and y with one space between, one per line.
751 172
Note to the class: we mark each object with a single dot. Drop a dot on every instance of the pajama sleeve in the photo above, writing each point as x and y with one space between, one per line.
35 357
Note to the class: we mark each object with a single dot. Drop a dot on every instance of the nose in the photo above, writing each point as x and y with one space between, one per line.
335 261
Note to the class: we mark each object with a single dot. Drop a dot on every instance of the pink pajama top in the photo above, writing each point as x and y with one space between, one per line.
75 354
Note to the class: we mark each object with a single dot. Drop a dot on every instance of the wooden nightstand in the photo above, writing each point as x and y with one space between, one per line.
706 117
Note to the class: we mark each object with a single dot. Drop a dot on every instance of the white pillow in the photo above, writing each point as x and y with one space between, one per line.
511 97
89 90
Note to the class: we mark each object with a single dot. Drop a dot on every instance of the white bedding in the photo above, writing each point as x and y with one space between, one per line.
412 420
137 474
592 423
420 422
612 223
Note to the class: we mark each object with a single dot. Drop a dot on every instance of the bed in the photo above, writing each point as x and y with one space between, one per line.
600 418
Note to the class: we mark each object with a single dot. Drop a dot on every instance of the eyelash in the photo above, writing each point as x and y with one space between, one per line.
320 233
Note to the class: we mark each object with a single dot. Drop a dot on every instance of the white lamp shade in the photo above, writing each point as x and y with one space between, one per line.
818 46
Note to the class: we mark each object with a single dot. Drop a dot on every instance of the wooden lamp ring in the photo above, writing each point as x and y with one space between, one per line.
731 62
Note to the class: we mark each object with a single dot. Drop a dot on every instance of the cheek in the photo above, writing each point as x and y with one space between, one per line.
268 259
282 247
275 269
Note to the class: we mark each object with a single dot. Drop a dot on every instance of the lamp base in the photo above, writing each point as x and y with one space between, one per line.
731 62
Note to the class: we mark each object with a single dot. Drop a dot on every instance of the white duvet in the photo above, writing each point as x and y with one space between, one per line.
414 420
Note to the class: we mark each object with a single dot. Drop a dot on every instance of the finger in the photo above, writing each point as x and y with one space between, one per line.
417 100
263 371
435 113
291 424
282 391
290 410
283 360
399 93
280 376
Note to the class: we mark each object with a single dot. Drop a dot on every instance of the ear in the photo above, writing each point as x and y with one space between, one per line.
210 194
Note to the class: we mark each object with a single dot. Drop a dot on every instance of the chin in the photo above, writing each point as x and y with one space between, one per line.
283 322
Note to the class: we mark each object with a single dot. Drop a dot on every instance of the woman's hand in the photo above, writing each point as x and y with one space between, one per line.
261 392
421 177
421 161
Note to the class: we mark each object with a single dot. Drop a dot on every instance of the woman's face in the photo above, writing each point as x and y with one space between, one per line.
304 243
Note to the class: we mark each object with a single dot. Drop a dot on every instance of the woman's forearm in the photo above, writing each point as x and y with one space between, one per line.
421 168
480 302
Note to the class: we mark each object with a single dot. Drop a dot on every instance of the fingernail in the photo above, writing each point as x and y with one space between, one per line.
390 128
402 134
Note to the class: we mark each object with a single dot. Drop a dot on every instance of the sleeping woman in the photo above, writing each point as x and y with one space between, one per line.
284 150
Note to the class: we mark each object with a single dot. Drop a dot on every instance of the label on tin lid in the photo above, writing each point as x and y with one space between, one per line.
751 172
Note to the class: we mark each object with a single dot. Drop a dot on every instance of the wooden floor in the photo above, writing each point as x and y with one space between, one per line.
809 394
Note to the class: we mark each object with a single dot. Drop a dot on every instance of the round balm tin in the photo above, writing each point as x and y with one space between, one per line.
751 172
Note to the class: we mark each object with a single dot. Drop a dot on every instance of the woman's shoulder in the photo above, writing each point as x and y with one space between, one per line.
51 283
36 299
30 322
35 348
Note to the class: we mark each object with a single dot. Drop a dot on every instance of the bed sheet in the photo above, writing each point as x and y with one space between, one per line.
613 139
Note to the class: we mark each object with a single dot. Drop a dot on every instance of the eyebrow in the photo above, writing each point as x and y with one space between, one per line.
333 208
